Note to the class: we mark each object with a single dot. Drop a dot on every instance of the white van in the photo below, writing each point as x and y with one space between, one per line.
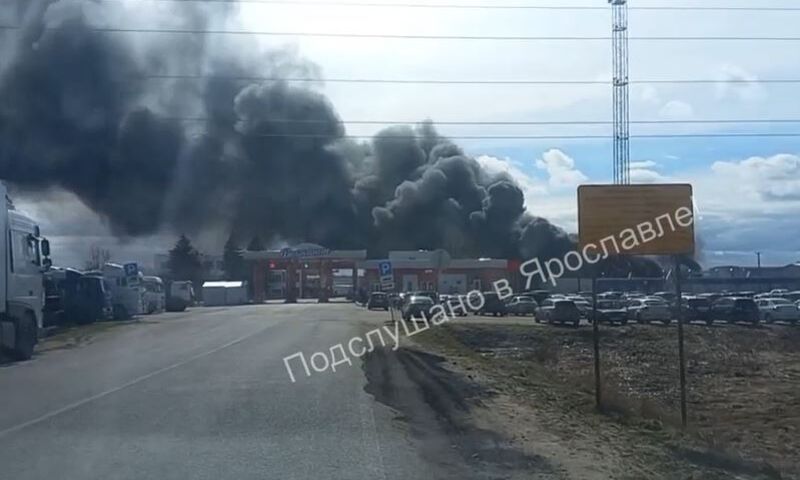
154 295
127 293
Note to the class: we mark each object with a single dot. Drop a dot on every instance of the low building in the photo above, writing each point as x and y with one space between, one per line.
302 271
435 270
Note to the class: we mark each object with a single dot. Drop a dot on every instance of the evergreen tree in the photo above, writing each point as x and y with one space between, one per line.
232 261
184 261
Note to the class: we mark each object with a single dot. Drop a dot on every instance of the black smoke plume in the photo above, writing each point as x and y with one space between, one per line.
244 158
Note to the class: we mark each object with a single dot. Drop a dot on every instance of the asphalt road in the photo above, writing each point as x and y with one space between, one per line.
204 394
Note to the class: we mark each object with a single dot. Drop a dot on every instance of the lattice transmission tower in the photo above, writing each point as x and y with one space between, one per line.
621 101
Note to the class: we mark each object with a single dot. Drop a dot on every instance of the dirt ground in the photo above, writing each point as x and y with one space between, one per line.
744 396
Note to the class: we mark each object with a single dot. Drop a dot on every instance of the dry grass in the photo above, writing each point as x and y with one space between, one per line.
744 383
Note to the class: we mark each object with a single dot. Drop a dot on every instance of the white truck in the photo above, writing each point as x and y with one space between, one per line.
22 266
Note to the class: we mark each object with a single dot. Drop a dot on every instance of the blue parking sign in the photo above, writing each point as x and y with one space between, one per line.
385 268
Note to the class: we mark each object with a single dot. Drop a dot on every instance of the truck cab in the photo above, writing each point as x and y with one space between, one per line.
22 264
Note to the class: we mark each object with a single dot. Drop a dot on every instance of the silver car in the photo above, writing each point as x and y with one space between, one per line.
777 309
648 310
522 305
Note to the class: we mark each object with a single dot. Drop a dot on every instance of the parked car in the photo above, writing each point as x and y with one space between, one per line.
417 306
650 309
792 296
583 305
746 294
457 304
611 312
778 292
668 297
712 297
696 309
427 293
735 309
611 295
522 305
492 305
378 300
538 295
778 310
558 311
395 300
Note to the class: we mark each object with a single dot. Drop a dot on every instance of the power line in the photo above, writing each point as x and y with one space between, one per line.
539 137
514 122
481 6
389 36
259 78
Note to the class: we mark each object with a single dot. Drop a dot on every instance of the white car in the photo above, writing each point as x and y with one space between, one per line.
777 309
647 310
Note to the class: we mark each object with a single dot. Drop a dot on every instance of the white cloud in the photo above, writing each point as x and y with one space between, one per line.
557 206
530 185
775 178
644 164
561 169
646 171
644 175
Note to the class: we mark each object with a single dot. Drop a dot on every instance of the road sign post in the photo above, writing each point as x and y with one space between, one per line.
598 396
387 283
681 353
131 270
386 275
606 211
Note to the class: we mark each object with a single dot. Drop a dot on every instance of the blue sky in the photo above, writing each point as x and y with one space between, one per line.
747 189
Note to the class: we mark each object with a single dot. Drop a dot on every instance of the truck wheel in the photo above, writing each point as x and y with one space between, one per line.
25 338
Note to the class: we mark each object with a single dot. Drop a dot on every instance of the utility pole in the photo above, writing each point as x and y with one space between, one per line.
621 100
758 256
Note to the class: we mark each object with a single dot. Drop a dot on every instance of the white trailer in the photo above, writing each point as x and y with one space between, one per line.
22 266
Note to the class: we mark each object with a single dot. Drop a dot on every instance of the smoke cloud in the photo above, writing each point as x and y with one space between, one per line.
270 158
